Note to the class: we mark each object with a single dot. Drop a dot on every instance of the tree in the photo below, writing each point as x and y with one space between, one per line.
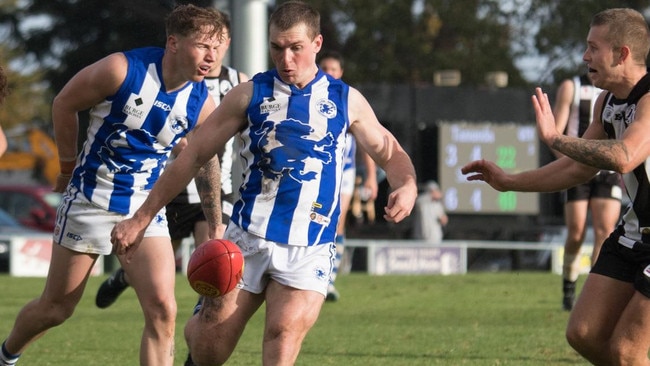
78 33
54 39
563 28
392 41
400 41
28 99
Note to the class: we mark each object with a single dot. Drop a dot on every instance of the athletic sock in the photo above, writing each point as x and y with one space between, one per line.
6 358
570 267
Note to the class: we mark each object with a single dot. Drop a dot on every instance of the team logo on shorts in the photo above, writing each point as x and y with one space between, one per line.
321 274
326 107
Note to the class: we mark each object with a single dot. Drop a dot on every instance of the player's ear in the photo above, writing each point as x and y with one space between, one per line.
318 43
172 43
623 54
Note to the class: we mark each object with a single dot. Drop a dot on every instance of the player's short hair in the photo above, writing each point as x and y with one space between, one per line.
291 13
627 27
187 20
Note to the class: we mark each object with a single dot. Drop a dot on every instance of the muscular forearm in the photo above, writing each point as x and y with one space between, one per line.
601 154
400 171
208 184
556 176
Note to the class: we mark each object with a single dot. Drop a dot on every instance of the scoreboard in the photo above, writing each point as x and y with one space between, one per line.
513 147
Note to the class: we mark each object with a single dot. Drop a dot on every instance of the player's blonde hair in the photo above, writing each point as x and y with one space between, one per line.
627 27
187 20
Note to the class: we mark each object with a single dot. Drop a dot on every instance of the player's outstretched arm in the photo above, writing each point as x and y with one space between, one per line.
488 172
386 151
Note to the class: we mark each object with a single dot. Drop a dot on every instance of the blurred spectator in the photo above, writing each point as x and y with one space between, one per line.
429 215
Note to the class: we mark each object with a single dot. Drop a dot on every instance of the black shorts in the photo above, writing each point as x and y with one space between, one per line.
625 264
603 185
183 216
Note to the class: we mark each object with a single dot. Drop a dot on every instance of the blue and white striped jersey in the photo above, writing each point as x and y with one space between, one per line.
292 156
131 134
350 160
217 87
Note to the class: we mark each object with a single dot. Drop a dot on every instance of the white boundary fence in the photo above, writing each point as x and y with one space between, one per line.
30 255
419 257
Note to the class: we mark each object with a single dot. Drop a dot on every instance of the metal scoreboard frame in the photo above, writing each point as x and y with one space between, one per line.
512 146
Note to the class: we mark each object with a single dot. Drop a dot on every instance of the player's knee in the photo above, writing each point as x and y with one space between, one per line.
585 342
57 314
205 351
576 336
160 310
627 353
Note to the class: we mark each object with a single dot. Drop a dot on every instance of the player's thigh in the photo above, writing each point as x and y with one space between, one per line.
151 271
631 332
575 214
599 306
605 212
67 276
291 309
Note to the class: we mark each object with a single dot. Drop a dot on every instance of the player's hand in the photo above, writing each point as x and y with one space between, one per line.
486 171
126 237
546 128
400 203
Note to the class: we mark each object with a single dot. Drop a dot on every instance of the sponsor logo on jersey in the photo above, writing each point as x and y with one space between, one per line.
269 105
132 111
131 107
162 105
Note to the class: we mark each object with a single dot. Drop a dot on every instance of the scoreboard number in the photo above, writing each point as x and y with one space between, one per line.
513 147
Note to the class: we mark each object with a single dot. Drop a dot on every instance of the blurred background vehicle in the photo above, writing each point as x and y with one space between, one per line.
33 206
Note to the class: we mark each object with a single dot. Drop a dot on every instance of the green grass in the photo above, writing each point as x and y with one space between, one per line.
501 318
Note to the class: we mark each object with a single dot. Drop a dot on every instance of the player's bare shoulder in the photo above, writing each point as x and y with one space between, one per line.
359 109
642 113
239 97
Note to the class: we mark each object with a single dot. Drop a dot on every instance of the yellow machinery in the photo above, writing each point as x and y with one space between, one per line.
34 153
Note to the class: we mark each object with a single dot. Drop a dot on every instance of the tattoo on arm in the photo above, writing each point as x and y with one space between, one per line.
208 185
602 154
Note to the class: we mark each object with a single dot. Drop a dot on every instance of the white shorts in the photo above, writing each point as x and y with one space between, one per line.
86 228
300 267
347 182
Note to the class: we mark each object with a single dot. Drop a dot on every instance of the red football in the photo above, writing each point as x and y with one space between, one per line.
215 267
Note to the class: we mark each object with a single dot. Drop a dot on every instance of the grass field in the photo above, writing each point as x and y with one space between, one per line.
505 318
